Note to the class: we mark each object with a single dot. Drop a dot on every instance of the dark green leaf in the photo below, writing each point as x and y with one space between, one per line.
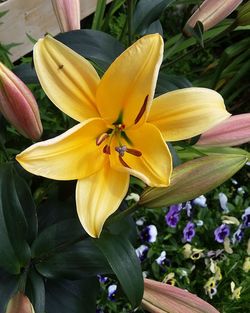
53 211
175 157
197 32
66 296
8 287
26 73
14 250
94 45
168 83
74 261
28 206
146 12
124 262
35 291
56 237
154 28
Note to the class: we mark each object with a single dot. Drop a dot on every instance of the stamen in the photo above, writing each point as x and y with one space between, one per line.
120 127
142 110
123 162
101 138
106 149
134 152
121 150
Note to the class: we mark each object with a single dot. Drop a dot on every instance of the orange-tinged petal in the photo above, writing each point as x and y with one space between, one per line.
68 79
98 196
187 112
154 166
72 155
128 86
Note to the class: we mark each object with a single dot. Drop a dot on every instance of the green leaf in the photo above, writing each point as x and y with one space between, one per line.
26 73
57 236
8 287
168 83
53 211
154 28
147 12
94 45
14 227
124 262
3 13
35 291
66 296
99 14
62 250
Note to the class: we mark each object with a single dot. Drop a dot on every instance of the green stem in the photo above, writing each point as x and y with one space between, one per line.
123 214
130 21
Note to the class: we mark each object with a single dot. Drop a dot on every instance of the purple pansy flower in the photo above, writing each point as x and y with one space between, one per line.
189 232
149 233
142 252
173 216
246 218
112 289
238 235
221 233
102 279
162 259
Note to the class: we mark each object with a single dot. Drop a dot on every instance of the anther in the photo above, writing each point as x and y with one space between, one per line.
142 110
101 138
134 152
106 149
123 162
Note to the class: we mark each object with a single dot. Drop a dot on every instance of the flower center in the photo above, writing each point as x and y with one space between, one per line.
117 131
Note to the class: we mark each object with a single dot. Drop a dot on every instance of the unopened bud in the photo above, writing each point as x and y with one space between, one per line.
194 178
67 13
18 105
19 303
161 297
231 132
210 13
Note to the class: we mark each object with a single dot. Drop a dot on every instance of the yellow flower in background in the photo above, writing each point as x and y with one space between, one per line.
235 291
121 131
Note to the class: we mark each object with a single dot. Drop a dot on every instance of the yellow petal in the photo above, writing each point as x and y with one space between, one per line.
98 196
187 112
72 155
127 87
68 79
154 166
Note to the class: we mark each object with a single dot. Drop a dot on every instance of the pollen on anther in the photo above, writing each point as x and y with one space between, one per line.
101 138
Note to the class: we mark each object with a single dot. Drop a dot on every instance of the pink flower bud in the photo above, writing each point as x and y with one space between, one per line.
231 132
210 13
159 297
19 303
67 13
18 105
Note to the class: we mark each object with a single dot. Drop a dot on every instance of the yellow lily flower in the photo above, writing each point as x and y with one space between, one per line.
122 130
